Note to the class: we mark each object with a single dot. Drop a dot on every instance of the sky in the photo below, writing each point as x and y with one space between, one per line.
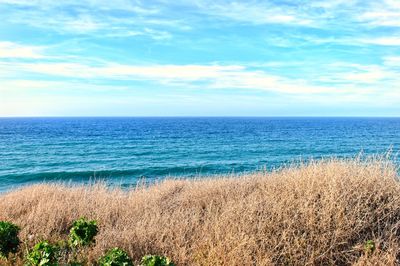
199 58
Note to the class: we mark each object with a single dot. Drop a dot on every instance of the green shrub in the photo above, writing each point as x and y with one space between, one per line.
43 254
153 260
83 232
369 246
9 241
115 257
75 264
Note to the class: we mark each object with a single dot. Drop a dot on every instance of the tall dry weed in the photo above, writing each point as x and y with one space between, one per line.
320 213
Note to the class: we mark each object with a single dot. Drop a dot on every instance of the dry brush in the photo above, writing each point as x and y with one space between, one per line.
320 213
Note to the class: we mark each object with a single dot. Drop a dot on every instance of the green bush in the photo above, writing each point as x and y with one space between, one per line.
9 241
43 254
369 246
83 232
75 264
115 257
153 260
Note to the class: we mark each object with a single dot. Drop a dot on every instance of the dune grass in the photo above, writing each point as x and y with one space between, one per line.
321 213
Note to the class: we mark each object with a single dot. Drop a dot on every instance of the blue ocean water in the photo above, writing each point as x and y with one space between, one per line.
125 150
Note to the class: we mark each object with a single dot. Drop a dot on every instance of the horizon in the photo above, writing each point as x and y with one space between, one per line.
91 58
16 117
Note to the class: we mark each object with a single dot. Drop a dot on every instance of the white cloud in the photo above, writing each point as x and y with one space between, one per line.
361 83
254 13
331 4
365 77
384 41
392 61
382 18
381 13
14 50
82 24
119 71
214 76
357 74
17 2
9 87
89 17
126 5
368 74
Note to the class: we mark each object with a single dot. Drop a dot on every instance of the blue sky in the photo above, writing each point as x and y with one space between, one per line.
199 58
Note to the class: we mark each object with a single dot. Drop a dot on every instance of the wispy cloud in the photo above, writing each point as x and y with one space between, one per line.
203 77
370 74
14 50
392 61
255 13
385 41
384 13
127 5
382 18
120 18
312 51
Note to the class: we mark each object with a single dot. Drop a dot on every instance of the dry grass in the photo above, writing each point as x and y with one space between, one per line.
317 214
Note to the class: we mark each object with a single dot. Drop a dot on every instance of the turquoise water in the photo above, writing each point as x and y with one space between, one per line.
124 150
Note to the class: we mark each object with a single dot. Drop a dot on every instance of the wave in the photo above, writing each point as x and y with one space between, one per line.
124 177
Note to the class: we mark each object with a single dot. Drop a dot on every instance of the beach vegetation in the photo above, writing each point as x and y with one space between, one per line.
154 260
83 232
327 212
43 254
9 240
369 246
115 257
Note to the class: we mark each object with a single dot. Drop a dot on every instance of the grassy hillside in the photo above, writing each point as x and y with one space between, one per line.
320 213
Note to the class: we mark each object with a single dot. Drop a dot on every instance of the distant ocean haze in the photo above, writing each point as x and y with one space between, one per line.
125 150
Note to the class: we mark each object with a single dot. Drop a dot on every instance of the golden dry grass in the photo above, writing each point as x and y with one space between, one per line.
316 214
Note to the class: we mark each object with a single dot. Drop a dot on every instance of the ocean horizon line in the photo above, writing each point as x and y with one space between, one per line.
194 116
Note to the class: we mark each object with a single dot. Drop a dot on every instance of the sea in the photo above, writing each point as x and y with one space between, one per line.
122 151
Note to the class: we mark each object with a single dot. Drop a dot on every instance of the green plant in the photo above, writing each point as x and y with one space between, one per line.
369 246
115 257
154 260
83 232
9 241
43 254
75 264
